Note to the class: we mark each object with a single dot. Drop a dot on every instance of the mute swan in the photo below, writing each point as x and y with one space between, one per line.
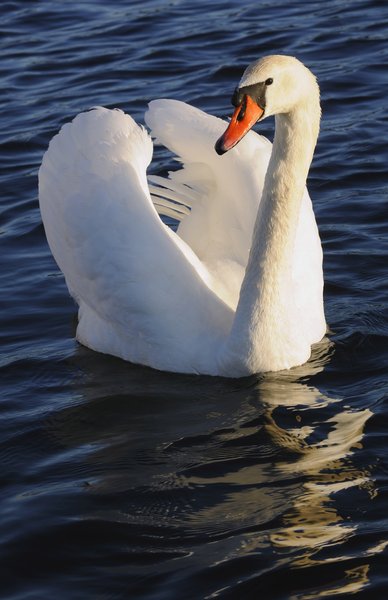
238 289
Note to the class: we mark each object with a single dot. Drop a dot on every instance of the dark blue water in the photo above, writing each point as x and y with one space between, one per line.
120 482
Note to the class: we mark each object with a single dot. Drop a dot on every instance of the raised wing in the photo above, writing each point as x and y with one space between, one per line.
224 194
143 293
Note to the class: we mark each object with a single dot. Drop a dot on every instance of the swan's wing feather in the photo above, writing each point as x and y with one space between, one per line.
224 191
142 291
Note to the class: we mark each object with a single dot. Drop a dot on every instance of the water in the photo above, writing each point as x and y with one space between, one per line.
121 482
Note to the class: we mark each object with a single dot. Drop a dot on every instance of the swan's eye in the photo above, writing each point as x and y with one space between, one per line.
268 81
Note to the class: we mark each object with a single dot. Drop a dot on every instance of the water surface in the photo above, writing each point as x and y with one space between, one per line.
121 482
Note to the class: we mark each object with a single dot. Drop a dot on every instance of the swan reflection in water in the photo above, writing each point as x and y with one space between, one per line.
313 522
223 470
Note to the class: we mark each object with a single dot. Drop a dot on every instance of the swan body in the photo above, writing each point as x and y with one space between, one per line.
238 288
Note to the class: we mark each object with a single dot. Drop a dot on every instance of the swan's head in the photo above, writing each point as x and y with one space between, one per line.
269 86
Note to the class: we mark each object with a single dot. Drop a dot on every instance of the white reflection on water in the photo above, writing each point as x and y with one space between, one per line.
313 522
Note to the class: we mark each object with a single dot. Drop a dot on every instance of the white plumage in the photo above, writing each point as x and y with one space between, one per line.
165 299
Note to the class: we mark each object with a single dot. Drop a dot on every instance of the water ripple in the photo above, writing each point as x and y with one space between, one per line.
118 481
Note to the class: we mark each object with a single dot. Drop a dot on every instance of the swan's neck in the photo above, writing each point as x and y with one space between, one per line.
266 334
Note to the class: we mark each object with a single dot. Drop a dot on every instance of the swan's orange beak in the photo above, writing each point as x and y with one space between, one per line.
243 119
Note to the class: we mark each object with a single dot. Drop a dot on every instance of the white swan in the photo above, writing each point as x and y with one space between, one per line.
238 289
